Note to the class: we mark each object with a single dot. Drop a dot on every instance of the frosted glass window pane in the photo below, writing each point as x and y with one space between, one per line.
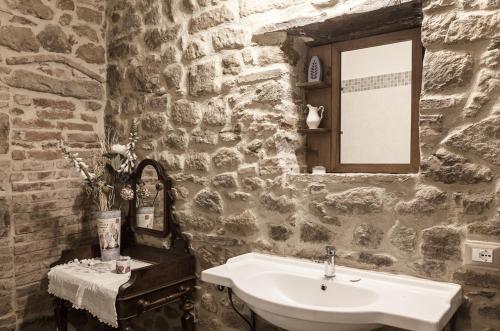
376 105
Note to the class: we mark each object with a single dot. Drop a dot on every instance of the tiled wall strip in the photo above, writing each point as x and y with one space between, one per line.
376 82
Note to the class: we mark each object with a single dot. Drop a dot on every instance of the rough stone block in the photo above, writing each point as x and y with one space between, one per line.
231 64
91 53
202 78
483 93
229 38
195 49
477 278
225 180
35 8
145 77
86 31
89 15
435 28
65 4
360 200
226 158
476 204
427 200
316 233
186 113
211 18
53 39
250 7
197 161
281 204
4 133
279 232
441 243
203 137
445 69
377 260
154 37
177 140
216 114
170 162
173 75
490 229
367 235
209 201
403 237
244 224
450 168
260 75
154 122
19 39
81 89
474 27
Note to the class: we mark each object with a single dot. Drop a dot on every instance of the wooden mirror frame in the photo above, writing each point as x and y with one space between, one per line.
168 199
413 166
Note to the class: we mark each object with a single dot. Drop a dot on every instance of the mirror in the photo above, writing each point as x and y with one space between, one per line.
149 200
376 104
151 207
378 112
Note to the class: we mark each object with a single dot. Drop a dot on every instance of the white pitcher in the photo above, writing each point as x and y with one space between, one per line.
314 116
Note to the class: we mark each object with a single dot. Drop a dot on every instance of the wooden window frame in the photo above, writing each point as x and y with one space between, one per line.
377 40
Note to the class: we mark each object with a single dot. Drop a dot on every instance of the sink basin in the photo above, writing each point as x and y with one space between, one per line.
294 295
300 290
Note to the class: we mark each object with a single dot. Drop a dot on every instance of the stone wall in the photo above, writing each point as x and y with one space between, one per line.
52 86
220 111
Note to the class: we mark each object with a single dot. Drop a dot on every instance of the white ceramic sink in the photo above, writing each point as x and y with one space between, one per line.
288 293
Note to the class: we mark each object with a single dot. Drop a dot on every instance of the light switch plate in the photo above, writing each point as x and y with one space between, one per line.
482 253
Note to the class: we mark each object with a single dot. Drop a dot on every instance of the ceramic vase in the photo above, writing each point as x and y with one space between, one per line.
145 217
108 229
314 116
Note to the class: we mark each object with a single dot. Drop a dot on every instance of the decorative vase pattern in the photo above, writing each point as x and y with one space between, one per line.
123 265
314 116
108 229
315 71
145 217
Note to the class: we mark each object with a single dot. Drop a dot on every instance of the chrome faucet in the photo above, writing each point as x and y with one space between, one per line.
330 262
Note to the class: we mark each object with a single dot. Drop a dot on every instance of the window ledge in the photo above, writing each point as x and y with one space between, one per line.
351 177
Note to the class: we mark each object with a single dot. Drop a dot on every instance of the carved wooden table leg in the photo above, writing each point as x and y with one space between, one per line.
187 319
61 315
125 326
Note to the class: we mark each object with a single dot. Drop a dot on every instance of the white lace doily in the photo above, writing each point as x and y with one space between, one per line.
91 285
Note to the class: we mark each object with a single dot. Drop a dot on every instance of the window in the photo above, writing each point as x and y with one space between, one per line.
371 95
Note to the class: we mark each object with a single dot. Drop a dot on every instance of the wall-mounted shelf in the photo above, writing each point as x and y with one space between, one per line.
313 85
314 131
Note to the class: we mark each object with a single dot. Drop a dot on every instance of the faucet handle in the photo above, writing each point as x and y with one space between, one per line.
330 251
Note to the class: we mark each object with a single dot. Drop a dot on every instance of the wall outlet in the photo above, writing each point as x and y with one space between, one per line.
482 253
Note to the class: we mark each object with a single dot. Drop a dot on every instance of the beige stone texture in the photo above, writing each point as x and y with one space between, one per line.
213 83
47 93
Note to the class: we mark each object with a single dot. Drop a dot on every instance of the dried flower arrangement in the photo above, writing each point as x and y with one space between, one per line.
143 193
110 172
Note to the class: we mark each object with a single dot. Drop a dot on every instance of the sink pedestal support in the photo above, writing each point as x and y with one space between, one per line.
252 324
250 321
451 326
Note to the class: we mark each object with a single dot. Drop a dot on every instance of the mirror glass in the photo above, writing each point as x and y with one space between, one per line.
150 200
375 105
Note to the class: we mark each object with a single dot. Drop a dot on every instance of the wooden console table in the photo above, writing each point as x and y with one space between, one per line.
170 277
